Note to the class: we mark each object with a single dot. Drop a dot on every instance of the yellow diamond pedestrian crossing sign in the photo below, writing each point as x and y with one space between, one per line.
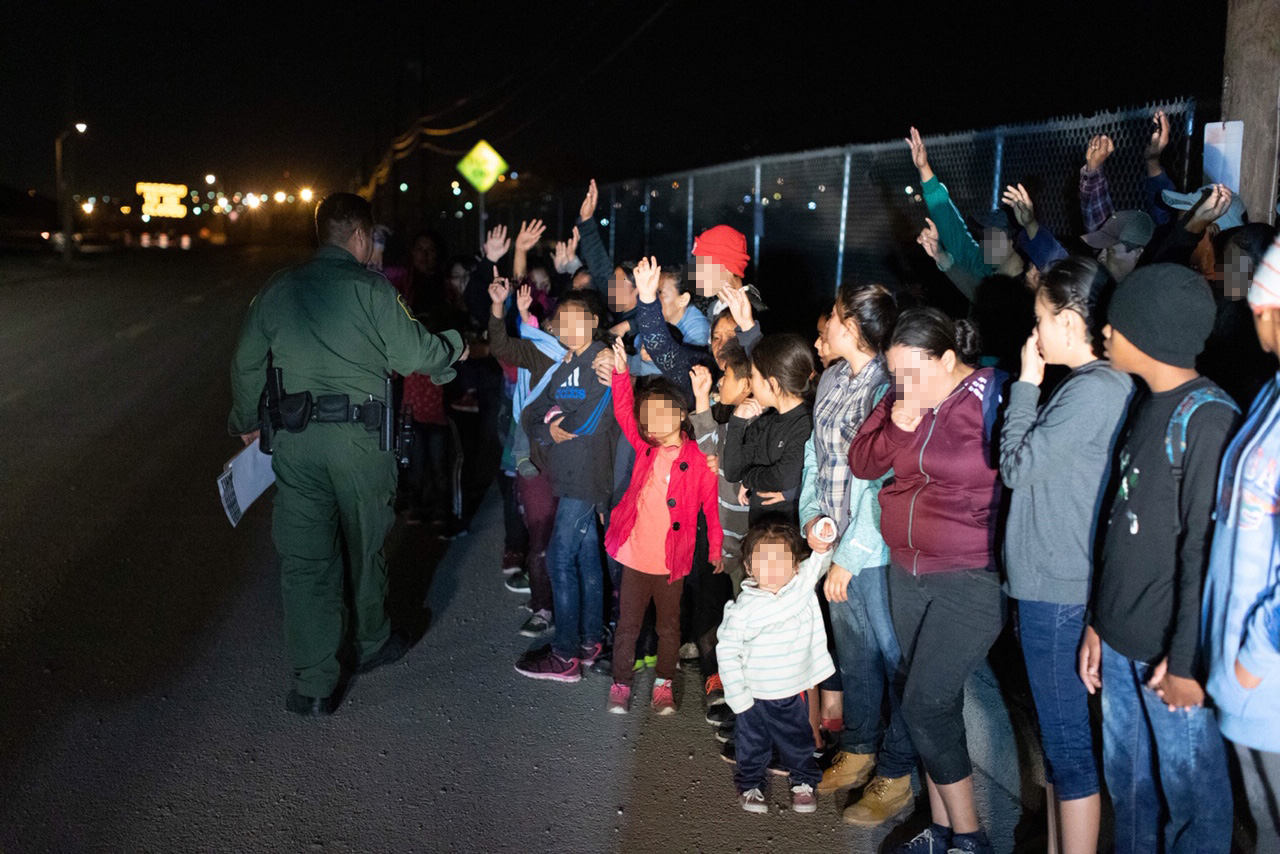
482 166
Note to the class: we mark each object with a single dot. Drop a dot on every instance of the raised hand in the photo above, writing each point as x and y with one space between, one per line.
565 252
619 356
497 243
700 377
602 364
748 409
1209 209
588 208
1098 150
530 234
647 274
739 304
499 290
919 156
1023 210
524 299
1159 136
929 239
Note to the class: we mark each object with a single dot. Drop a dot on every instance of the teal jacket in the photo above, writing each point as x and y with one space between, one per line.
954 234
861 545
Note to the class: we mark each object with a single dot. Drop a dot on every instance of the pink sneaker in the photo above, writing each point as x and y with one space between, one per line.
803 799
619 699
664 700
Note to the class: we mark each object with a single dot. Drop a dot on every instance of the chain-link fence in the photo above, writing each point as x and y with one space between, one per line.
815 218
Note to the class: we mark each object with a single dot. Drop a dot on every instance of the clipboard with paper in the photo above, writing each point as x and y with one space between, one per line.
243 480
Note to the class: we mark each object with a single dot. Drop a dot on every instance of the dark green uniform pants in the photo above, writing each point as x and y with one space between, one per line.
334 487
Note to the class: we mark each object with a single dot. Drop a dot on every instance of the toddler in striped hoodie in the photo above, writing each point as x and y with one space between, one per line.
772 648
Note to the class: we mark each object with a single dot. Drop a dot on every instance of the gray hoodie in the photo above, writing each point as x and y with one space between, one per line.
1057 462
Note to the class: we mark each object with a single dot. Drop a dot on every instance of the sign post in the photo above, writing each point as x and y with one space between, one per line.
481 167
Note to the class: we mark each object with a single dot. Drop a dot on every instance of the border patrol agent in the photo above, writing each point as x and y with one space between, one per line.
333 330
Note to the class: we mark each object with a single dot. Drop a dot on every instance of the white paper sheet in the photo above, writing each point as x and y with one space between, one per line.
245 477
1223 146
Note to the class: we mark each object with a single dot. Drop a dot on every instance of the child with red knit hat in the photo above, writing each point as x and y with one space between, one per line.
720 260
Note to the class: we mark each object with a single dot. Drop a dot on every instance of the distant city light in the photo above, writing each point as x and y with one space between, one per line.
209 195
251 200
81 127
458 214
454 185
279 196
306 194
404 188
146 217
604 222
813 206
196 210
290 198
746 199
457 191
126 209
210 178
467 206
909 189
87 207
515 175
777 197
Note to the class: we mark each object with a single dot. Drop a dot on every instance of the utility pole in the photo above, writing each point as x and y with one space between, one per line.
64 198
1251 93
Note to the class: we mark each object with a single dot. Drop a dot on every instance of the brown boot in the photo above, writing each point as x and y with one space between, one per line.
847 771
883 798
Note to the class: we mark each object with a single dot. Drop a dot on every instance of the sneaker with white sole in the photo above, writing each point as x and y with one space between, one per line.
545 664
512 562
689 651
752 800
517 582
619 699
664 699
539 623
803 799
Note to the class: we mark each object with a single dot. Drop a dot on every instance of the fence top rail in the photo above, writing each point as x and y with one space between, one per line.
1054 125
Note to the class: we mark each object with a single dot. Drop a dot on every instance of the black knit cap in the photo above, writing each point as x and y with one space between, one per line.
1166 310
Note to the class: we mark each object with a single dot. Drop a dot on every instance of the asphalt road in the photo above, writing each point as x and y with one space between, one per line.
142 668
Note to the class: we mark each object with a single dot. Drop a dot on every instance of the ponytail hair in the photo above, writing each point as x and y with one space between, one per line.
873 308
1081 285
930 330
787 358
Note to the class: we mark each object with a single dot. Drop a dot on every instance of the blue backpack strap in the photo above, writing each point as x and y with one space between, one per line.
1175 437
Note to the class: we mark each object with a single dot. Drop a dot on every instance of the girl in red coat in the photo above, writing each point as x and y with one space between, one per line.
652 530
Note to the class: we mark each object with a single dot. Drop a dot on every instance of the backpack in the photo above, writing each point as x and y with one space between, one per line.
1175 437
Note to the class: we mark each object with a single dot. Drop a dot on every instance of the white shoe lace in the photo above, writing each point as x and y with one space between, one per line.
753 795
802 789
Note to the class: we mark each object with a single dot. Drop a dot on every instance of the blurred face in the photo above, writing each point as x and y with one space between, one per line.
709 277
673 302
541 280
574 327
581 279
1055 330
660 419
762 389
1119 260
1123 354
772 566
426 258
720 333
843 339
918 378
457 280
995 246
733 388
1237 273
622 293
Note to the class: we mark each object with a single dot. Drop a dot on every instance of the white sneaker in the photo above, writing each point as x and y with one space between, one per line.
752 800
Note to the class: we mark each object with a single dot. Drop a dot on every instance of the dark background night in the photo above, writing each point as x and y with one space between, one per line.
574 89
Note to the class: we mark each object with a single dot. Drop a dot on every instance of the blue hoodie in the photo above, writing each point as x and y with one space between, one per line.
1241 616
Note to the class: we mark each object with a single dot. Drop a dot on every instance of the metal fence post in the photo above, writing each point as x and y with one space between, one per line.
844 217
613 219
688 228
1186 151
757 224
648 205
999 166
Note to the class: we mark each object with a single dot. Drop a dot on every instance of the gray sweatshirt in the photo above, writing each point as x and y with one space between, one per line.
1057 462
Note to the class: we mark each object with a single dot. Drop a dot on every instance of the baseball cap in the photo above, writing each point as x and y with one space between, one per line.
1186 201
1133 228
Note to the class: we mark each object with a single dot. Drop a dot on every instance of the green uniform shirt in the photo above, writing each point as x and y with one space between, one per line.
332 327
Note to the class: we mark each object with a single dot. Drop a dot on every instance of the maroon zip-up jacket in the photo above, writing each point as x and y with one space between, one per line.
938 511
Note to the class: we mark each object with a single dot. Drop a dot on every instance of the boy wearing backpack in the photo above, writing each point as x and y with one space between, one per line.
1142 643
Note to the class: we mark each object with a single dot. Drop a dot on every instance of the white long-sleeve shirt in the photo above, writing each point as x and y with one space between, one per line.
773 645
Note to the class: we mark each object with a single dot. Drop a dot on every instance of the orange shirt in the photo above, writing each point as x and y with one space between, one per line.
646 549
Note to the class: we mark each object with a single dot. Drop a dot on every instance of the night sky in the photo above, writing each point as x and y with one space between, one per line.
254 91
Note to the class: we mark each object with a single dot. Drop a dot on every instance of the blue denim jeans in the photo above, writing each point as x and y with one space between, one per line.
783 724
1188 809
870 660
1050 636
577 576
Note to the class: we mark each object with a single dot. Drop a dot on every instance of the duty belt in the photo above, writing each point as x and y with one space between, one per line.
338 409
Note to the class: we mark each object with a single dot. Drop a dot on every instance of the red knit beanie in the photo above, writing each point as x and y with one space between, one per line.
724 245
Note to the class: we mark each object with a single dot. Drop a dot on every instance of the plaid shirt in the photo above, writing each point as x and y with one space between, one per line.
1095 198
843 403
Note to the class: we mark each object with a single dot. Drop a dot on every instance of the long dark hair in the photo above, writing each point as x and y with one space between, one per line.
1081 285
592 303
661 388
780 531
873 307
930 330
787 358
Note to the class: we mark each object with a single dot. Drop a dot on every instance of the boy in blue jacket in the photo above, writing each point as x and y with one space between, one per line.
1241 625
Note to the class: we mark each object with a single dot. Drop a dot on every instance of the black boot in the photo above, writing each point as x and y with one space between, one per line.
309 707
392 651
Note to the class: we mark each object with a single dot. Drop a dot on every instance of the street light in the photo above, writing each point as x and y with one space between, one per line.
63 207
279 196
305 195
209 179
